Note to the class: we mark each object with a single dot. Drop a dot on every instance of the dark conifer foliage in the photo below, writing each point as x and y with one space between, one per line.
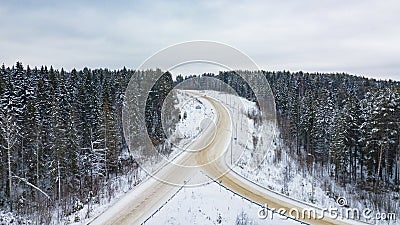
154 105
350 124
61 137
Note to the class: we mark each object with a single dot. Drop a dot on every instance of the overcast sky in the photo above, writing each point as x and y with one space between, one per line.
361 37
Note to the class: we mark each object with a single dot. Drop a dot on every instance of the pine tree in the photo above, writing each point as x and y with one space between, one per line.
13 100
340 149
324 114
3 171
29 135
109 133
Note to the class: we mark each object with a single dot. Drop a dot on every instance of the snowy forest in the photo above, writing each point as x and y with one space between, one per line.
61 137
349 124
62 141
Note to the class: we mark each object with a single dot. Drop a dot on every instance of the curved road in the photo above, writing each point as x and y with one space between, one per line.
137 205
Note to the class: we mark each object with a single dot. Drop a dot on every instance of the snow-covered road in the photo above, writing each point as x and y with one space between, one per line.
139 204
212 143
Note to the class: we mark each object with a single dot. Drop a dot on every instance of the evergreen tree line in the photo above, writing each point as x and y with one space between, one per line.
61 137
349 125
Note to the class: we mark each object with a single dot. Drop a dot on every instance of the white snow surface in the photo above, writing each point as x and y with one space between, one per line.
211 204
196 111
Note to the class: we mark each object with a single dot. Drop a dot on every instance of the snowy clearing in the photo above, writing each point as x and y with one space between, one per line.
211 204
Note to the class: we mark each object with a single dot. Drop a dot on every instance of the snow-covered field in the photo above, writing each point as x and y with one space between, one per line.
211 204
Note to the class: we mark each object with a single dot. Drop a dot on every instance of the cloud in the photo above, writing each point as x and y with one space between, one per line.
359 37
